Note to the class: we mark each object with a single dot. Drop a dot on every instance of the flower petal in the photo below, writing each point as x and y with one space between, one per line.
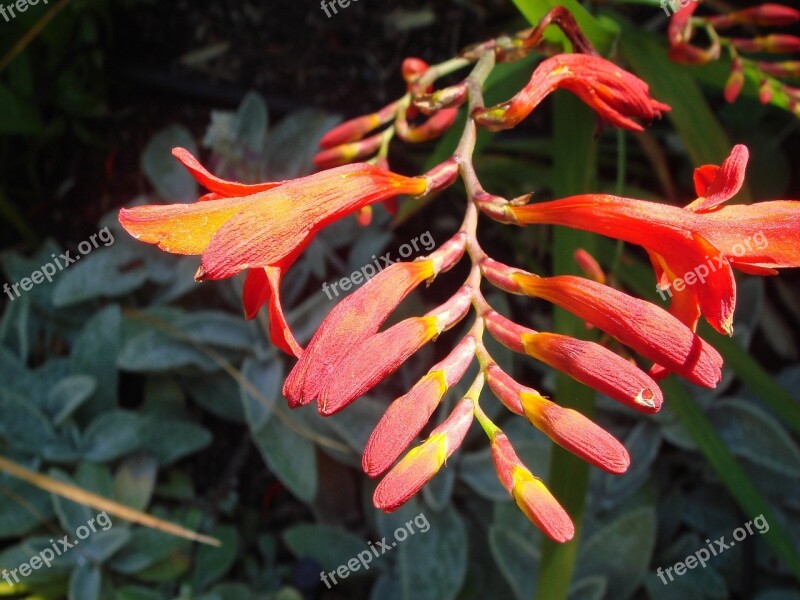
215 184
717 185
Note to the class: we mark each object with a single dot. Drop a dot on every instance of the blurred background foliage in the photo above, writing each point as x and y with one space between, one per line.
130 380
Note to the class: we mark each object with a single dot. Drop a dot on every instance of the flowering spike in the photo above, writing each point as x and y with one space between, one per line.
423 462
409 413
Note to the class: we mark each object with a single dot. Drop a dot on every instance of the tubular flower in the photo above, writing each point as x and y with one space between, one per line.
263 227
646 328
423 462
616 95
409 413
699 243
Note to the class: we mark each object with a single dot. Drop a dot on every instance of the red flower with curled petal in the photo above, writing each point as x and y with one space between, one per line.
615 94
704 238
263 227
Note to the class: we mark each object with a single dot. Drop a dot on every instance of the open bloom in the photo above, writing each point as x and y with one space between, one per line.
262 227
698 244
615 94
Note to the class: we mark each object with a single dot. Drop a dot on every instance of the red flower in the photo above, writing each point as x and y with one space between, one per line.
616 95
263 227
698 244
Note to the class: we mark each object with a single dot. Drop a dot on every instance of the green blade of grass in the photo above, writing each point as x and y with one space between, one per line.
575 167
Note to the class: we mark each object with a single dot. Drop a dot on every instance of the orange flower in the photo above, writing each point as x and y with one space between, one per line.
616 95
263 227
698 244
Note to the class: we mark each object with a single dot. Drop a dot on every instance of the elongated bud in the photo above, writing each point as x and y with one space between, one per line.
530 494
765 91
775 43
347 153
409 413
375 359
785 69
442 176
735 81
449 97
566 427
357 128
595 366
450 253
413 68
506 332
423 462
451 312
589 265
647 328
435 126
350 323
766 15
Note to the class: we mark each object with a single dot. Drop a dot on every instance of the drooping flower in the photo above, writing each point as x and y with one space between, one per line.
615 94
263 227
698 244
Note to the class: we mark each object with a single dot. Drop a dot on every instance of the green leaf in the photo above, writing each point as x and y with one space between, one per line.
753 434
633 537
22 424
85 583
22 507
218 394
170 440
170 179
212 564
135 481
266 378
729 470
101 545
69 394
444 546
95 353
330 546
112 435
252 120
516 558
291 457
